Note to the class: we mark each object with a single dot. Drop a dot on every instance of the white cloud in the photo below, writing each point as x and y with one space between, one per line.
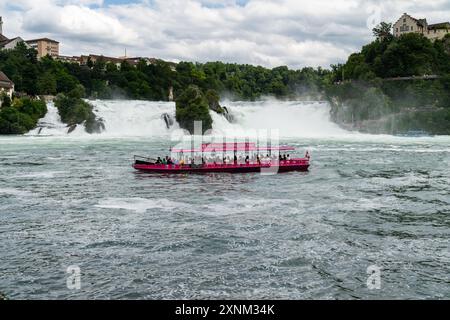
266 32
78 22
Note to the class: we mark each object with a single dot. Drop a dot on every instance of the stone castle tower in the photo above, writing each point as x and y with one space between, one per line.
171 94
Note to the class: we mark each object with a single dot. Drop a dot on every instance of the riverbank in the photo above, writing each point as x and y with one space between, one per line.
428 120
387 87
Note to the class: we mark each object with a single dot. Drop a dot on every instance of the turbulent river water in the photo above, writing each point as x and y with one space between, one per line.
368 203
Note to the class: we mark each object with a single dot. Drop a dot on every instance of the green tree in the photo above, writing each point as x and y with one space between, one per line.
192 106
383 31
46 84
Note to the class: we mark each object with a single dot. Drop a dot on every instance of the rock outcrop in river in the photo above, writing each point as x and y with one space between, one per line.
73 111
168 120
214 104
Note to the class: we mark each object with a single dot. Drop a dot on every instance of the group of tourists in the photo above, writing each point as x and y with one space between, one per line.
166 160
259 159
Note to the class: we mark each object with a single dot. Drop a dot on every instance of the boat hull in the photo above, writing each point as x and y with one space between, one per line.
287 166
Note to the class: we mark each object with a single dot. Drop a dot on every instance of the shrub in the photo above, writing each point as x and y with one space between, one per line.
21 116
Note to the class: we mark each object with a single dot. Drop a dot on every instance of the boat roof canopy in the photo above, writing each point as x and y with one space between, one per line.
232 147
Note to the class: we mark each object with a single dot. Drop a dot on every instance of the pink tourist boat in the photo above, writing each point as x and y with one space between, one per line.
205 159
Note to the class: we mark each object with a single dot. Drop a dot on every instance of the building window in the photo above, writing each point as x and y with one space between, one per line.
404 28
404 20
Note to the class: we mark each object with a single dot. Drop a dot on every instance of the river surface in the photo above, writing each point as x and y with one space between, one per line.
376 202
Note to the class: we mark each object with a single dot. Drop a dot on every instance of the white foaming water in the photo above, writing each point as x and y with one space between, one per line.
51 124
124 118
138 205
134 118
292 118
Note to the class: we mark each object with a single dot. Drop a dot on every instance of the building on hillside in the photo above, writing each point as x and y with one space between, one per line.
69 59
408 24
11 43
3 38
6 43
135 61
6 85
84 60
45 47
438 30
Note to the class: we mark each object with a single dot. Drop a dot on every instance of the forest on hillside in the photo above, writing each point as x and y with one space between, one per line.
367 94
153 81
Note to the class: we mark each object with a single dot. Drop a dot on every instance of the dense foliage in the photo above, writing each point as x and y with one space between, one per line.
368 88
74 111
192 106
153 81
20 115
408 55
35 77
250 82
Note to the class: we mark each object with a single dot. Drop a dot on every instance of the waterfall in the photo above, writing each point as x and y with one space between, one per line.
124 118
50 124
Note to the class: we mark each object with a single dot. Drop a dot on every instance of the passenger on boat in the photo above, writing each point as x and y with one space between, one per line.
247 159
235 159
182 162
288 157
159 161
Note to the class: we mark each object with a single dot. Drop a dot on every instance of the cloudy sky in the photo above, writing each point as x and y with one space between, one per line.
295 33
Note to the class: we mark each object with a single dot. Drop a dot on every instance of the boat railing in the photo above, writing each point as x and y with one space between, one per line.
145 159
264 163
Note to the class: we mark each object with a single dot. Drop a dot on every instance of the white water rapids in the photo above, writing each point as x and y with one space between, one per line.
125 118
